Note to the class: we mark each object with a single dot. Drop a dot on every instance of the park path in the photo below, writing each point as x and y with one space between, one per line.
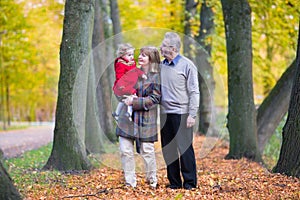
15 142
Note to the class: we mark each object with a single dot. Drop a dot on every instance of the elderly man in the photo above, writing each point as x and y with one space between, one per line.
179 107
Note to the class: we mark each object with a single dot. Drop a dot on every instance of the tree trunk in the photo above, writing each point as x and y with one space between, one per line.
268 118
190 7
7 189
95 122
93 131
8 101
207 26
207 84
117 39
1 155
111 29
289 158
200 57
241 109
2 105
69 151
104 88
115 17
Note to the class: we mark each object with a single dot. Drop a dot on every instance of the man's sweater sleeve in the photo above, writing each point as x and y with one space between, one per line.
193 90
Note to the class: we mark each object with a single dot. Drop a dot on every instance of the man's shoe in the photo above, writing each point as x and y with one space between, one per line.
174 187
189 187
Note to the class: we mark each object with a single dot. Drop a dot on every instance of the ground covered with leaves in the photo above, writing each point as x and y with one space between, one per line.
217 179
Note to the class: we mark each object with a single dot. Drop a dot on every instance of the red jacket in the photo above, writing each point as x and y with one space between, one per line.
126 77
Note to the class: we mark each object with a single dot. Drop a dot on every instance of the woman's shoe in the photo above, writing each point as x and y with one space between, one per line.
153 185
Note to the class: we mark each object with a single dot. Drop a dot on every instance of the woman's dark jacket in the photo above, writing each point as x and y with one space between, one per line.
144 124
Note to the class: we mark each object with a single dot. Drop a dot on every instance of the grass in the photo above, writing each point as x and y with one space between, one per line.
272 149
34 159
14 127
26 170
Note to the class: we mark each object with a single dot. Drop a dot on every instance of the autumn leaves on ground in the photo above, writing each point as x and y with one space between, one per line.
217 179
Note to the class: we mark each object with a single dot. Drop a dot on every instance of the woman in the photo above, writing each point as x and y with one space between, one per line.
143 128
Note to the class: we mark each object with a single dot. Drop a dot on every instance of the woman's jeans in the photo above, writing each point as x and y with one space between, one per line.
128 162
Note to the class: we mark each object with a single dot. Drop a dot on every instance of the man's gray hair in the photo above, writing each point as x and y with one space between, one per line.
173 40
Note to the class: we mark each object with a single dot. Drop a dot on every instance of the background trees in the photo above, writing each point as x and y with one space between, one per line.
241 109
69 151
278 16
29 65
30 56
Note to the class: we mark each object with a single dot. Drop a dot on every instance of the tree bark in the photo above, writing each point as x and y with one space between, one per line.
241 109
69 151
207 83
7 189
111 44
207 26
268 117
289 158
190 8
107 75
96 125
115 17
1 155
200 56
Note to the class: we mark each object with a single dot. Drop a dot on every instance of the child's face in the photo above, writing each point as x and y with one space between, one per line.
129 56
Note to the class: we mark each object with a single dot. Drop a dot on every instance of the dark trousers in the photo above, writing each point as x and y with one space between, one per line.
178 152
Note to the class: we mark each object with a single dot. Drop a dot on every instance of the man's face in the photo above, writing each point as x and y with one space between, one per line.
166 50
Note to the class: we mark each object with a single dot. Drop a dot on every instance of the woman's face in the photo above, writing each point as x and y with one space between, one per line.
143 59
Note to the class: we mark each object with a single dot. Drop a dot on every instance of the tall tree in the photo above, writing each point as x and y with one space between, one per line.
201 55
7 189
116 24
268 118
241 109
207 83
94 128
289 158
110 13
93 132
69 151
190 9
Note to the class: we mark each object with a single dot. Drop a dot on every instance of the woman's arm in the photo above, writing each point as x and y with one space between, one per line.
149 101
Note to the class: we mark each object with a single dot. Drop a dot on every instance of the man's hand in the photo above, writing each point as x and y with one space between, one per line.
190 122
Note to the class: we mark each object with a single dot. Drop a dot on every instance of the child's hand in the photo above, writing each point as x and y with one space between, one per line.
128 100
144 76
